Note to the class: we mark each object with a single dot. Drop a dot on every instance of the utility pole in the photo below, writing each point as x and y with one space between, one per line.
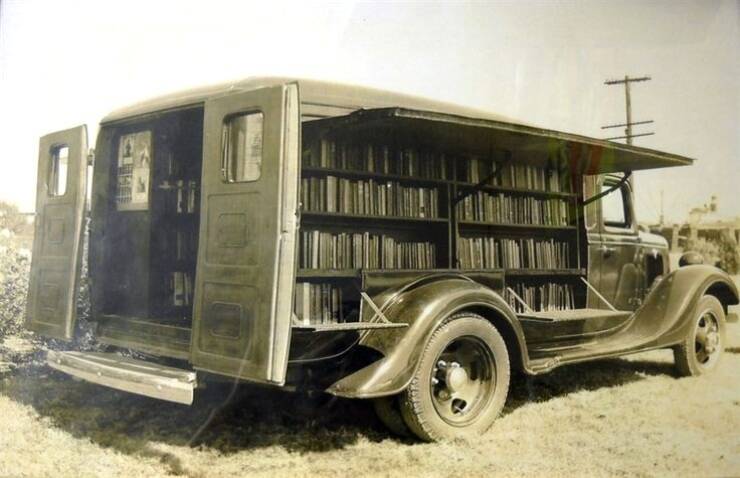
628 104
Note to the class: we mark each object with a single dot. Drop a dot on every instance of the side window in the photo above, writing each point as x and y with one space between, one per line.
58 166
615 207
591 214
241 147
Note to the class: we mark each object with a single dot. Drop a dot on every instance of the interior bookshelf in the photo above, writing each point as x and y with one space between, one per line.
374 203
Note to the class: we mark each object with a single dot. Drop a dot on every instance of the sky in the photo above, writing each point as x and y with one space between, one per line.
542 62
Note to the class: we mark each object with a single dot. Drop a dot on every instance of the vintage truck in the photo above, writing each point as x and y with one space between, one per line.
361 243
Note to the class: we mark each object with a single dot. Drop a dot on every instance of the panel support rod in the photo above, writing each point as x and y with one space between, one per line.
527 308
603 299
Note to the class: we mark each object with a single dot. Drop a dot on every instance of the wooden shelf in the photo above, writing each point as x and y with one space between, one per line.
518 191
545 272
513 225
312 216
359 174
328 273
356 273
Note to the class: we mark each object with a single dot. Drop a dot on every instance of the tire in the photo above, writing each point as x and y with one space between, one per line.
389 412
461 383
702 348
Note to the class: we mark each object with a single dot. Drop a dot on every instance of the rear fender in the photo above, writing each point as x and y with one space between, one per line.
423 307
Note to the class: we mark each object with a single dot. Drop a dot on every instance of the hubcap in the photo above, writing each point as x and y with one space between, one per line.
463 380
707 339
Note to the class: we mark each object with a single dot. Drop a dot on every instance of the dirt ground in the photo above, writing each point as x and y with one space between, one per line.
626 417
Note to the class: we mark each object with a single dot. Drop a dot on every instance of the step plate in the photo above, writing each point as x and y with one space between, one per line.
127 374
574 314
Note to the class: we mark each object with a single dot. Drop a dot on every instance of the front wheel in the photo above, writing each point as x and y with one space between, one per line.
461 383
702 348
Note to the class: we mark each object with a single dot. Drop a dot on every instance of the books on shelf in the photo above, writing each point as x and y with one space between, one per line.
375 158
182 288
493 253
362 250
506 209
183 199
520 176
540 298
368 197
318 303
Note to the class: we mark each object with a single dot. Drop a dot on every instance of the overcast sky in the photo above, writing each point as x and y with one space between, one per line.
66 63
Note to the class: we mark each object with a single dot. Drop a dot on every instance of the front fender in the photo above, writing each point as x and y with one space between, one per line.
423 308
668 310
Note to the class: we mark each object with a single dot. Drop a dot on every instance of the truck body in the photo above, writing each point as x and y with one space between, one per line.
310 235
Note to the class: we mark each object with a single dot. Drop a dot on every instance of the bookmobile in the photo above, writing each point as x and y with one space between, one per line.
361 243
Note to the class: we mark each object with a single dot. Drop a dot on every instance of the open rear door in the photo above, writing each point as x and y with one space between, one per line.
57 244
246 253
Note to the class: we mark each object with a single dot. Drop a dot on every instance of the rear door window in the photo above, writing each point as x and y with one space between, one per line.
242 147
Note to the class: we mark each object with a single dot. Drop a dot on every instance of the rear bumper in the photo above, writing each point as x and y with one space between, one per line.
127 374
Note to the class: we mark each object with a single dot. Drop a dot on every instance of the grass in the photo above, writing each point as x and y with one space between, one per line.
626 417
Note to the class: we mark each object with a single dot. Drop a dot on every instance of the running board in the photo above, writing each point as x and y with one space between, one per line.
575 315
349 326
127 374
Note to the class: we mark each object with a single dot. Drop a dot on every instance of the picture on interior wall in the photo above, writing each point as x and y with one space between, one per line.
134 166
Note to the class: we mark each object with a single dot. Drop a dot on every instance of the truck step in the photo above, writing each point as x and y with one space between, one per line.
575 315
348 326
127 374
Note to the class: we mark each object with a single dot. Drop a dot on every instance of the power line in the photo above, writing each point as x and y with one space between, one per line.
628 107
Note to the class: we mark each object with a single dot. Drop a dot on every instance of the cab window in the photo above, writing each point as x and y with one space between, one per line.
615 208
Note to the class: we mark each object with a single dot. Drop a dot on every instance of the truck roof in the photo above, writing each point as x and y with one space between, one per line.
319 99
326 100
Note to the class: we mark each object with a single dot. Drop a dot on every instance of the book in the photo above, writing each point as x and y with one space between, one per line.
320 303
504 208
487 252
540 298
368 197
363 250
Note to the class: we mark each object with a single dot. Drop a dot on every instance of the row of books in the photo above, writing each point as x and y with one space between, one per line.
184 245
326 250
506 209
181 285
182 199
318 303
492 253
540 298
374 158
333 194
511 175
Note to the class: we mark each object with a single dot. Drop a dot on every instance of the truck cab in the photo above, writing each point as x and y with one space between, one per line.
361 243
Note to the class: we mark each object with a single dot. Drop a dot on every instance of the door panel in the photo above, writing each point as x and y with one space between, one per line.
57 246
247 250
619 248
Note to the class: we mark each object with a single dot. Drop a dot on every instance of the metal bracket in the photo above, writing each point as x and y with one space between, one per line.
593 289
378 312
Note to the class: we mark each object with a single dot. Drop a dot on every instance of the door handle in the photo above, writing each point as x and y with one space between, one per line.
607 251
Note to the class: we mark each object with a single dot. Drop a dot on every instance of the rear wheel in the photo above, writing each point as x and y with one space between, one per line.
461 383
702 348
389 412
